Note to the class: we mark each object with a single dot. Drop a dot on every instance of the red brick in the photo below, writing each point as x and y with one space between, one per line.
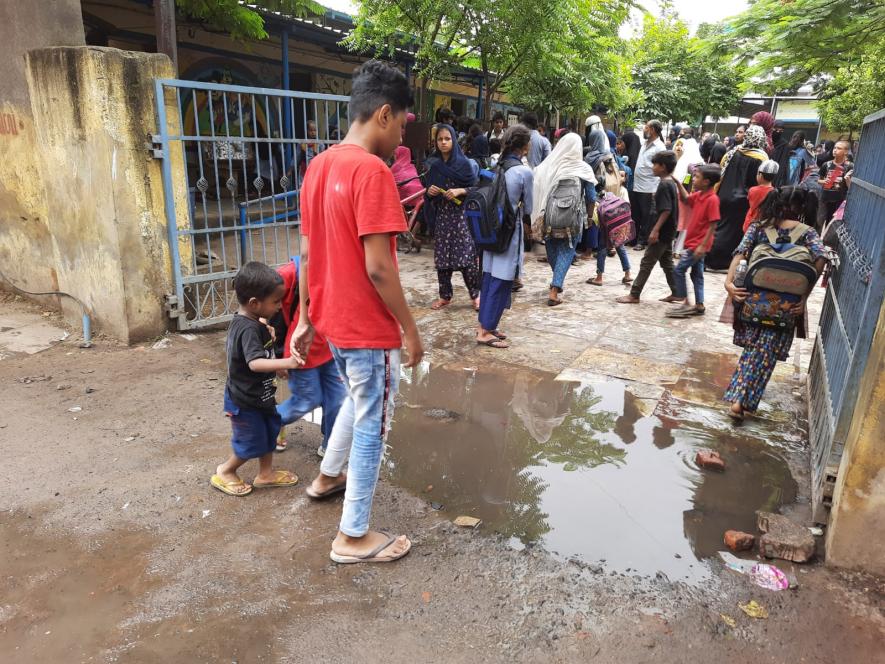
739 541
710 460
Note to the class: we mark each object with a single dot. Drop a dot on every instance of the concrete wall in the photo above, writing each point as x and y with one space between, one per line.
25 248
95 110
856 532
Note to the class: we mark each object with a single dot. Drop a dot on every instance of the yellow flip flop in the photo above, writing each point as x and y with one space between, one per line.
280 478
230 488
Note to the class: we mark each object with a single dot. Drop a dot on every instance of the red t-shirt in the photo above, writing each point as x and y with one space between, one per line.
319 352
704 212
347 194
756 195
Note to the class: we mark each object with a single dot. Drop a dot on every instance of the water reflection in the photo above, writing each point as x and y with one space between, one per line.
577 467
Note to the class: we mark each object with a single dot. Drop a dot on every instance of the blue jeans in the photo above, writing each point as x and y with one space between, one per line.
318 387
560 254
680 288
371 377
602 254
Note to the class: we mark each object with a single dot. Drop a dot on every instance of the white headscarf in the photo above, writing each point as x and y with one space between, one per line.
566 161
691 154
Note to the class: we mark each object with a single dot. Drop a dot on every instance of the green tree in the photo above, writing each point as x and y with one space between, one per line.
429 28
242 21
677 78
835 46
578 65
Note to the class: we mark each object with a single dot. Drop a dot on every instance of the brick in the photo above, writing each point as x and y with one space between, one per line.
710 460
784 538
739 541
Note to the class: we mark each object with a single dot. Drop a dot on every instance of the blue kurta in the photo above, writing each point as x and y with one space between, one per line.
508 264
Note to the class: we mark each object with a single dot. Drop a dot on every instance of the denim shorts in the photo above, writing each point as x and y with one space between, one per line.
254 431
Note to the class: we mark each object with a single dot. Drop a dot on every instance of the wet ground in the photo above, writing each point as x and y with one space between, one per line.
575 448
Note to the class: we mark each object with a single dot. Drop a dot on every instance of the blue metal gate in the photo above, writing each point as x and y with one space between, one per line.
849 316
244 153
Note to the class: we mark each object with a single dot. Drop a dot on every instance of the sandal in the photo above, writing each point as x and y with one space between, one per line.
553 303
372 556
319 495
501 336
594 281
737 417
439 304
627 280
493 343
280 478
671 299
237 488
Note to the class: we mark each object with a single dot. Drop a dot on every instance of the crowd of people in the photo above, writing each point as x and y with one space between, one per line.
687 202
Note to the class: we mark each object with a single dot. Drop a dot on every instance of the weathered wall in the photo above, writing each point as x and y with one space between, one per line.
25 249
104 195
856 532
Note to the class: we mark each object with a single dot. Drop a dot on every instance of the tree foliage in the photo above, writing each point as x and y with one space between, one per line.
241 21
674 76
835 46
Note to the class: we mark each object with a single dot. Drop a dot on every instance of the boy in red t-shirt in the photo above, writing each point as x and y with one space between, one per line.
317 384
351 215
704 204
764 177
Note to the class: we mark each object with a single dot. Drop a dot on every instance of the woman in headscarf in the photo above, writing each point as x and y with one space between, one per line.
449 175
564 163
500 270
479 146
739 168
689 159
632 145
765 120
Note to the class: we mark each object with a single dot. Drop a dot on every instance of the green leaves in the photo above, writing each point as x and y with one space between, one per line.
242 22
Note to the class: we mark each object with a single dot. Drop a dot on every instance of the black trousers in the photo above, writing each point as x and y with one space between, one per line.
642 207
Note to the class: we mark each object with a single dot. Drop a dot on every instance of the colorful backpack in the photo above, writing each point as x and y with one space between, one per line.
616 219
565 212
779 274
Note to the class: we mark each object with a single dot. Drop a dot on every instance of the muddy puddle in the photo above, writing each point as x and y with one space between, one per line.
585 470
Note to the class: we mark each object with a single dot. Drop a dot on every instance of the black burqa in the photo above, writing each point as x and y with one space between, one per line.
632 145
737 178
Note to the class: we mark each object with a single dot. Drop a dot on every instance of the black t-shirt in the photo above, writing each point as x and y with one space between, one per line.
248 340
667 198
833 175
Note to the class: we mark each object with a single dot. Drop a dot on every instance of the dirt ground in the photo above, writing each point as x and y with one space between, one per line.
115 549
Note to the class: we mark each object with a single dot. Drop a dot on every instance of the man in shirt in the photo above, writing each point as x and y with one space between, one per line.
645 184
350 217
539 146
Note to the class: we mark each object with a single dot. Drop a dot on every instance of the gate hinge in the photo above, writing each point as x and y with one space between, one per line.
156 147
173 307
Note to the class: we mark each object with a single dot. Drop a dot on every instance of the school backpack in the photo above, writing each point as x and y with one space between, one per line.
615 218
779 274
489 215
565 212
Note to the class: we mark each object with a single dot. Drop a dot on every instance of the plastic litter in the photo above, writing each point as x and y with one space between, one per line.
74 409
737 564
754 609
769 577
728 620
817 532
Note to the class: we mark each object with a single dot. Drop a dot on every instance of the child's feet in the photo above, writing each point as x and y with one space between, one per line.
627 278
282 443
627 299
736 412
321 451
476 304
439 304
673 299
596 281
275 478
229 483
686 311
324 486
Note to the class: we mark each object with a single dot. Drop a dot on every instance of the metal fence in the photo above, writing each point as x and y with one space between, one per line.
849 316
245 151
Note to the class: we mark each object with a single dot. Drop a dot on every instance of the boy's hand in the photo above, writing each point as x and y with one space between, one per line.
414 348
653 237
302 338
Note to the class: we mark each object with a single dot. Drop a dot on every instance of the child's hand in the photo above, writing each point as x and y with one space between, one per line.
737 294
434 190
294 362
452 194
282 374
653 237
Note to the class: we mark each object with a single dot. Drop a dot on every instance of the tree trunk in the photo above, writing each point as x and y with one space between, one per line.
425 112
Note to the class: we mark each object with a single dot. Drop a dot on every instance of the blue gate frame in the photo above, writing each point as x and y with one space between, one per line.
244 152
849 315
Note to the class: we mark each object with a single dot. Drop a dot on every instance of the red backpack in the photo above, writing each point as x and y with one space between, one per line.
616 219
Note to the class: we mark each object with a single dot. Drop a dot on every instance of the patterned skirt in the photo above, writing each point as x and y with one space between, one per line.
762 349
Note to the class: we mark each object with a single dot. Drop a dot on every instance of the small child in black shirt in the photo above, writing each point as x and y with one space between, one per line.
249 393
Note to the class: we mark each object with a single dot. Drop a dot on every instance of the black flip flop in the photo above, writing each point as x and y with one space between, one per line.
553 303
492 343
500 336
